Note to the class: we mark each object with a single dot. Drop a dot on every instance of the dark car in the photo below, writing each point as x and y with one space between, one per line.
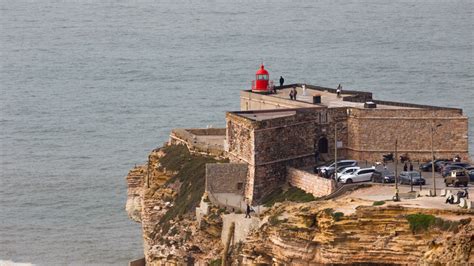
411 177
383 177
471 175
426 167
448 168
439 165
463 165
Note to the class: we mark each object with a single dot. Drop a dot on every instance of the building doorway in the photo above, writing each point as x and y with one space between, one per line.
323 145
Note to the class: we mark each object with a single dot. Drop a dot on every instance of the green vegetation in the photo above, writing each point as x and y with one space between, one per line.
292 194
420 222
337 216
216 262
378 203
191 170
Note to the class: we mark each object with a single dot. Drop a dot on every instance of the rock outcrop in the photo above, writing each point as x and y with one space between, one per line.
311 233
163 194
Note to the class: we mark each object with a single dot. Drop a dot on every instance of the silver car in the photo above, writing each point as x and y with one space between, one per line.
361 175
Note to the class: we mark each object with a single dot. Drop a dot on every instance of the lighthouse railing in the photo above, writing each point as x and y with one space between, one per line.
270 85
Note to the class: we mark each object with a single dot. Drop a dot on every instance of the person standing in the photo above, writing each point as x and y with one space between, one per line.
294 93
282 80
339 90
247 212
411 166
291 95
405 167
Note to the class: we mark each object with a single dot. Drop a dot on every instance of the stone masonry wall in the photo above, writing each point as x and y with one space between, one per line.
240 139
226 177
374 132
281 142
310 183
187 137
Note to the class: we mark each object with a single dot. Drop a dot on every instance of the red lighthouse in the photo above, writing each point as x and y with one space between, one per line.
261 82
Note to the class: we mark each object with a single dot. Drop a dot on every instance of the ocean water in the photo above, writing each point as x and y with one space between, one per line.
88 88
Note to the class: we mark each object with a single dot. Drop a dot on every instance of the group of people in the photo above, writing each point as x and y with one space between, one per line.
461 194
406 167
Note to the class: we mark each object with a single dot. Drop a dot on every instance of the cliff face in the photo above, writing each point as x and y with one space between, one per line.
306 234
344 231
165 207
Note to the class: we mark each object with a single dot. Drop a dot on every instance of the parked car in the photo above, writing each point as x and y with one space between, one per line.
457 178
383 177
471 175
463 165
439 165
426 167
347 170
361 175
328 170
448 168
407 177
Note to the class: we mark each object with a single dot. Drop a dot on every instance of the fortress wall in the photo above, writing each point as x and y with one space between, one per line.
255 101
311 183
207 131
240 139
226 177
373 133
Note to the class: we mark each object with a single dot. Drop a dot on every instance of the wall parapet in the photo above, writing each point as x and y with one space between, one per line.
310 183
206 141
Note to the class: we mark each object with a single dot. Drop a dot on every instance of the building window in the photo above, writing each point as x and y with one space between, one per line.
240 186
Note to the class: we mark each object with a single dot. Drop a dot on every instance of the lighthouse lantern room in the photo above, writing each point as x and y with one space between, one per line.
261 82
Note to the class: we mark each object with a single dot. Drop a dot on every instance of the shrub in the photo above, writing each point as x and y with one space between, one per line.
337 216
215 262
378 203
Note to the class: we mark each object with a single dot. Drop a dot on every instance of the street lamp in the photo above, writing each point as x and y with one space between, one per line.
396 197
432 157
335 149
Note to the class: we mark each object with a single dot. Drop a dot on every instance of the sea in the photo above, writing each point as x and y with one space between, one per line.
88 88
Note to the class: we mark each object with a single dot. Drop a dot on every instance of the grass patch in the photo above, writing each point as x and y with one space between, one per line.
420 222
292 194
191 171
216 262
378 203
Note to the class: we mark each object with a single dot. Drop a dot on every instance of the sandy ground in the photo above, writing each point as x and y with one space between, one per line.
386 192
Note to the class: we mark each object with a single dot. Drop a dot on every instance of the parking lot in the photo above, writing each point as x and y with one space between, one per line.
440 184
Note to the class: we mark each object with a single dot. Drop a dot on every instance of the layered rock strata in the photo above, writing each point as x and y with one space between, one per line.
318 232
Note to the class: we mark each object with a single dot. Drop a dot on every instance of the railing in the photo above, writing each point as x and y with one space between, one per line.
270 85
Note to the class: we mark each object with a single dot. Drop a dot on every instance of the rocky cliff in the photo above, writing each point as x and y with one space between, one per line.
163 194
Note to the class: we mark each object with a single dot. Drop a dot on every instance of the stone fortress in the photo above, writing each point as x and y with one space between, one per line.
273 136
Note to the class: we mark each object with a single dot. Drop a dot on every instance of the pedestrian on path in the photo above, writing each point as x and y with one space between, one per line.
405 167
291 95
282 80
247 212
